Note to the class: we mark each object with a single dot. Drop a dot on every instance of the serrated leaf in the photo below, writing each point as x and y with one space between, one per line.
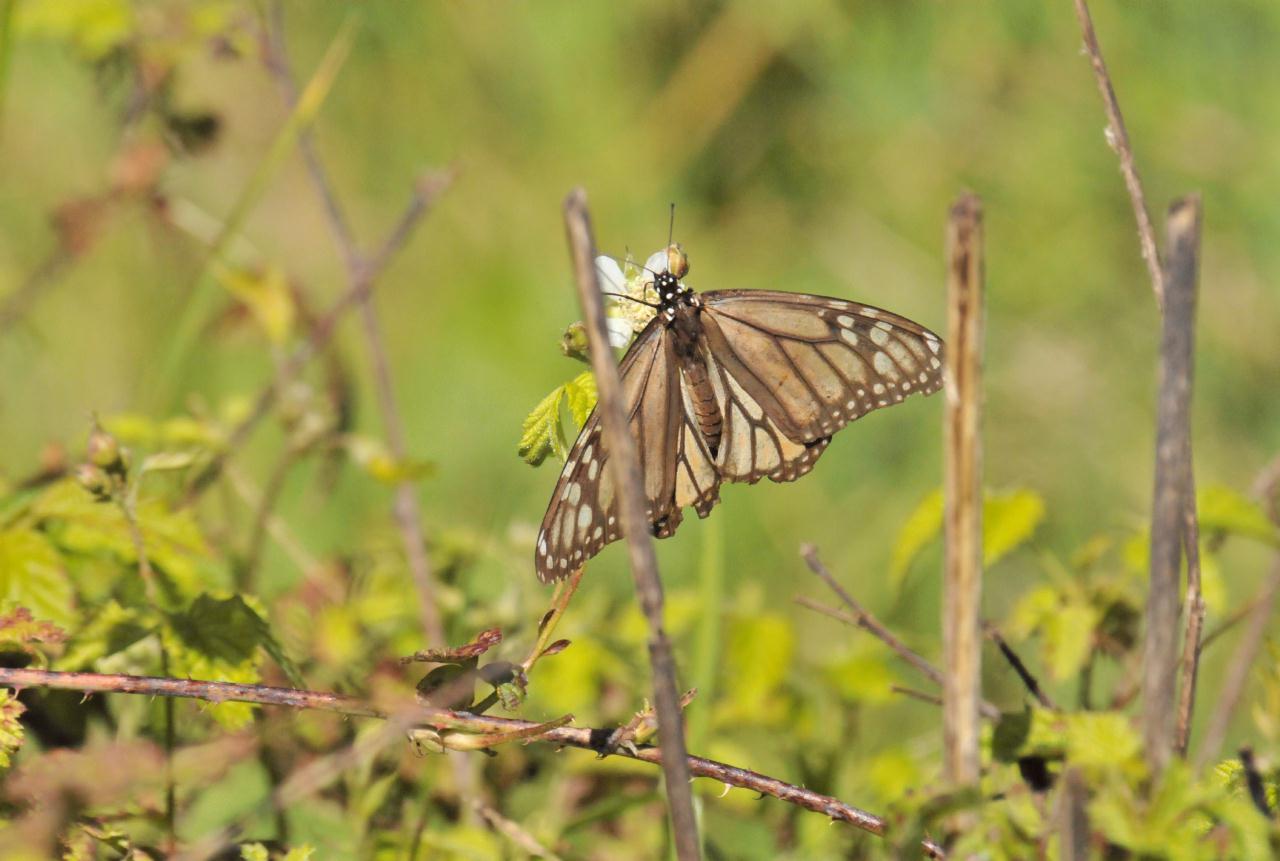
32 576
923 525
542 433
1009 519
230 630
21 630
580 395
224 629
171 539
1222 509
11 733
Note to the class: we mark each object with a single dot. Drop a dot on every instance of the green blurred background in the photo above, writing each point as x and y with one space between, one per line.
810 146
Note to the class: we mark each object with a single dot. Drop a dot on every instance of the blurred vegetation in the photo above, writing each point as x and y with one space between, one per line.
162 251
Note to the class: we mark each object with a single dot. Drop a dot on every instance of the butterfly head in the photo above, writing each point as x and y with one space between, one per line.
672 294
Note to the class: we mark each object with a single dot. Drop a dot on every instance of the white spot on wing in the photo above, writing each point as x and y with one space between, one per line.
879 335
883 364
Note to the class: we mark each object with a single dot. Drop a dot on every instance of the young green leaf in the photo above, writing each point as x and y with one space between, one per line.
580 394
10 725
922 526
1222 509
1008 520
32 576
541 433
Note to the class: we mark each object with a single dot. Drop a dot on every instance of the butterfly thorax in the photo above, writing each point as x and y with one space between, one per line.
682 313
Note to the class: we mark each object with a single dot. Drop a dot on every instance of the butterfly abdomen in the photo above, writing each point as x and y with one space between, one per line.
703 398
687 336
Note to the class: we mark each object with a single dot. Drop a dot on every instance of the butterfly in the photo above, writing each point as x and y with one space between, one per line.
729 386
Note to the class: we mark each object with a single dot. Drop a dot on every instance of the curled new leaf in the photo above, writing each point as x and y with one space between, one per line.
481 643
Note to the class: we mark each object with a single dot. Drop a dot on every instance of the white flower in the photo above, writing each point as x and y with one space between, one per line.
627 317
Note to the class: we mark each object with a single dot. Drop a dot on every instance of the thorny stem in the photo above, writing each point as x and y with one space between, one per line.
440 719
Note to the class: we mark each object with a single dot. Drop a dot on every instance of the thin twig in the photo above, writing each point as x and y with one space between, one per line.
1264 489
962 575
1033 685
859 617
1172 469
1237 616
912 693
1238 669
1118 138
319 335
17 303
514 832
625 469
360 274
1195 610
262 516
564 592
442 719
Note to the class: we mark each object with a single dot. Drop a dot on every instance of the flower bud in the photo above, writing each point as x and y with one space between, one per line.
574 342
95 480
103 451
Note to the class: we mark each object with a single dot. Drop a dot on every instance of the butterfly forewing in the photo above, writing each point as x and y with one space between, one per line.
786 371
815 364
582 516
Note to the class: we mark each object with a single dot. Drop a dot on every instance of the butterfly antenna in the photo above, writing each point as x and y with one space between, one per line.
671 228
631 299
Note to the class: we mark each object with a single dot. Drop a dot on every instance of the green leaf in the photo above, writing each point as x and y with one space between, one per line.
228 629
171 539
864 677
254 852
32 576
1065 620
580 394
1008 520
1222 509
112 630
265 292
11 733
541 434
224 629
1100 741
757 662
922 526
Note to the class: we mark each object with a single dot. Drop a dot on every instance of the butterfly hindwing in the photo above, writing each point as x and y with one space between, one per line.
814 364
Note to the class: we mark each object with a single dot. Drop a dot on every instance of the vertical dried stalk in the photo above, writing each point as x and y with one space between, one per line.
625 467
1074 818
1173 448
962 635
